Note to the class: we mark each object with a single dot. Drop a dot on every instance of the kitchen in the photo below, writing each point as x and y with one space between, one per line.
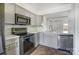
58 24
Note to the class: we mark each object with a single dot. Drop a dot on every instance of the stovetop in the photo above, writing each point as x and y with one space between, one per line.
20 34
24 34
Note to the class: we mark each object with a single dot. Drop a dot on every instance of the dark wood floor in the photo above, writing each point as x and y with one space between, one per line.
43 50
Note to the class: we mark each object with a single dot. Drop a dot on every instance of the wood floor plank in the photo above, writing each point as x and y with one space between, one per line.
43 50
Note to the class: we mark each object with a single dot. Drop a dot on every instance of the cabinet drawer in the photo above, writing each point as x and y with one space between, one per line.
11 49
10 41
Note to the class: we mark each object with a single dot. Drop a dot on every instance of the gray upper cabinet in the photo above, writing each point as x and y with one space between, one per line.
27 13
39 20
11 9
9 13
20 10
36 20
33 19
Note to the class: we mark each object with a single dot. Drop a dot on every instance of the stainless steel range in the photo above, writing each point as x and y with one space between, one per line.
26 40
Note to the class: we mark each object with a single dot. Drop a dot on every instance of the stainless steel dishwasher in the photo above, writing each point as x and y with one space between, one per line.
65 42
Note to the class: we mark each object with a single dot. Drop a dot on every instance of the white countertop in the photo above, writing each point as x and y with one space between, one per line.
7 37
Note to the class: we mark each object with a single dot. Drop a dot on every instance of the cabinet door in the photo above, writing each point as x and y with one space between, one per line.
9 13
50 40
33 19
27 13
36 39
41 39
20 10
39 20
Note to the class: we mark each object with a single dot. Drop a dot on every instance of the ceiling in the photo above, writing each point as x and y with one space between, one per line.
44 8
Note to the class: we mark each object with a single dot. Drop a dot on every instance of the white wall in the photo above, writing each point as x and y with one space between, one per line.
76 39
67 17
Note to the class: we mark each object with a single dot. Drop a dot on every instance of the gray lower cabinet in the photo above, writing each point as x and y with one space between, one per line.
39 20
41 39
33 19
48 39
36 37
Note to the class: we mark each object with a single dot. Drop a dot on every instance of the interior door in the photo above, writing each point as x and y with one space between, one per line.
1 46
1 42
1 28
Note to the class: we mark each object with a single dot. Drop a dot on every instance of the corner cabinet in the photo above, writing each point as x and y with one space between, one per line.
48 39
9 13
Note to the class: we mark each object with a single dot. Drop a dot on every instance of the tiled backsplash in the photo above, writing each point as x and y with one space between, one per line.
29 29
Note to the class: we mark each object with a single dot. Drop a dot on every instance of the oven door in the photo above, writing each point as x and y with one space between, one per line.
26 44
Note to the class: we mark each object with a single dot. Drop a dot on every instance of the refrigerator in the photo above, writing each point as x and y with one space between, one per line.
2 40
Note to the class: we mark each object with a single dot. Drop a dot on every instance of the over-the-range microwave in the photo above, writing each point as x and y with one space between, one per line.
22 20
